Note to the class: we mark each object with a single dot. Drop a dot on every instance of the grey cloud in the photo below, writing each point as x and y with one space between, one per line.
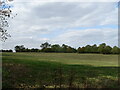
36 19
88 36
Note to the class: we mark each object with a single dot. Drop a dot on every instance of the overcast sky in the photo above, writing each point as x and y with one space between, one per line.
72 23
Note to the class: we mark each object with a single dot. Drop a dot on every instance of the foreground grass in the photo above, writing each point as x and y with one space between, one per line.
54 70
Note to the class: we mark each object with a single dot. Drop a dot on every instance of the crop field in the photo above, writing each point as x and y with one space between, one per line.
59 70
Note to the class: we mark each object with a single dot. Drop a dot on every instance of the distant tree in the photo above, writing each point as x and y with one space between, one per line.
64 48
34 50
56 48
88 49
94 49
10 50
6 50
101 47
107 50
115 50
70 50
45 45
47 50
27 50
20 48
81 50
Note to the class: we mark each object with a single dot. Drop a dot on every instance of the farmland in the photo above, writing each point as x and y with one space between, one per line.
59 70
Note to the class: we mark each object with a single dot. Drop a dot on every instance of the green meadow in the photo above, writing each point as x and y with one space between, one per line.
59 70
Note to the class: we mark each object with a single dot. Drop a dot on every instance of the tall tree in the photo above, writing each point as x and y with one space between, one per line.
20 48
5 13
45 45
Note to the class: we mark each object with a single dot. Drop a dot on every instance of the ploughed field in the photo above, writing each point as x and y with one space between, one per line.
59 70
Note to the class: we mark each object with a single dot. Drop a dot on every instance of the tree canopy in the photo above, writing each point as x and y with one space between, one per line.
47 47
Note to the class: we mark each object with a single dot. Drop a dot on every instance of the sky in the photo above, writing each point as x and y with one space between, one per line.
73 23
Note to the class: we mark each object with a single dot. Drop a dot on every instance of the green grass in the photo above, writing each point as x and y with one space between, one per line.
38 69
66 58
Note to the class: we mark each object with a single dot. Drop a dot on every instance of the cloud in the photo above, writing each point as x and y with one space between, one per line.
37 22
77 38
67 0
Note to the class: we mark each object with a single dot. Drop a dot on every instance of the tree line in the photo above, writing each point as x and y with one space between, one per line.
56 48
6 50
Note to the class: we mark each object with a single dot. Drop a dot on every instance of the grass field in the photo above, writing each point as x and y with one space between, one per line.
52 70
